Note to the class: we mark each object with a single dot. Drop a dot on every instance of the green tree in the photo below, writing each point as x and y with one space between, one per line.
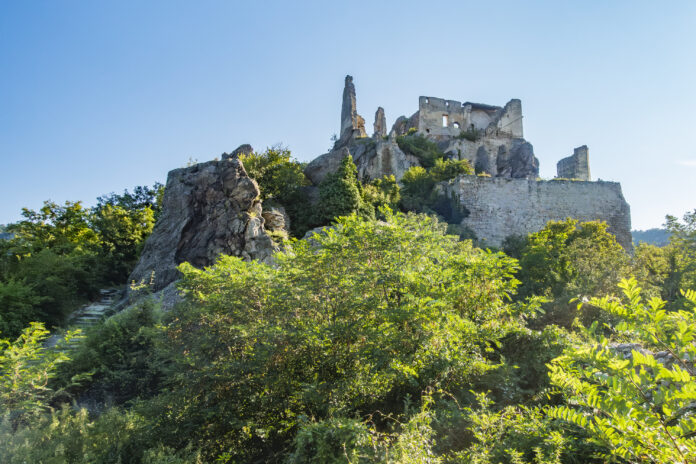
419 193
570 259
19 304
62 229
142 197
384 192
356 321
340 194
122 233
277 173
682 242
634 390
281 180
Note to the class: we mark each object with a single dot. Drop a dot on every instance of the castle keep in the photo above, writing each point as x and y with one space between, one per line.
507 197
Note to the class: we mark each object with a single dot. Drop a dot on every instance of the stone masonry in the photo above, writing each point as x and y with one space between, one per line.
576 166
508 199
498 207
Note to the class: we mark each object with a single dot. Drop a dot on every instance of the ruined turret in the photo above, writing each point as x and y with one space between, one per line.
576 166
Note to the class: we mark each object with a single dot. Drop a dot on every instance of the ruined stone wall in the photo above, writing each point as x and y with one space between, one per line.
576 166
499 207
448 118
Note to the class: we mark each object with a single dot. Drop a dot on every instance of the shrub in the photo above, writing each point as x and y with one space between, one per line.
419 193
384 192
425 150
637 404
120 354
471 134
26 368
366 315
278 175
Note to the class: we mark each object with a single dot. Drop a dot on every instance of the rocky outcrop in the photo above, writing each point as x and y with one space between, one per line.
512 158
276 219
325 164
374 159
208 209
576 166
244 149
403 124
380 125
352 124
517 161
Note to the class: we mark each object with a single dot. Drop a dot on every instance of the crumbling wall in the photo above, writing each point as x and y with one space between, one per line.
448 118
576 166
500 207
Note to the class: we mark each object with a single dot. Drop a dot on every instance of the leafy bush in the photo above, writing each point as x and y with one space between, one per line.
281 180
120 354
278 175
416 145
513 434
122 234
419 193
339 440
18 306
26 368
364 316
637 401
384 192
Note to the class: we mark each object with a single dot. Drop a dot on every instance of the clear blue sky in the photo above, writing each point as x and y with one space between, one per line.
96 97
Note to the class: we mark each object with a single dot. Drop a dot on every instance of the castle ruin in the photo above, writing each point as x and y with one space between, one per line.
506 197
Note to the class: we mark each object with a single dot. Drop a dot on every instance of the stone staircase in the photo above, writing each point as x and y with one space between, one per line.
86 317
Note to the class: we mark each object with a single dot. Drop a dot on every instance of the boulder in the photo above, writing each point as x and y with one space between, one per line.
208 209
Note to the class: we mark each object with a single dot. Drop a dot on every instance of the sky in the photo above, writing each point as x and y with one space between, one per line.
98 97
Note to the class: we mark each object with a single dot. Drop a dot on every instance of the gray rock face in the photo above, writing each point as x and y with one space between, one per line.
517 161
576 166
244 149
325 164
208 209
380 124
374 158
403 124
276 219
352 124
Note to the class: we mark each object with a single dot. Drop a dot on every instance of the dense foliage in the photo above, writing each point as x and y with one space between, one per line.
61 255
420 194
637 402
569 260
380 339
419 146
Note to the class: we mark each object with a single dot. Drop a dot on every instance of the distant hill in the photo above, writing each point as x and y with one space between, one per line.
658 237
